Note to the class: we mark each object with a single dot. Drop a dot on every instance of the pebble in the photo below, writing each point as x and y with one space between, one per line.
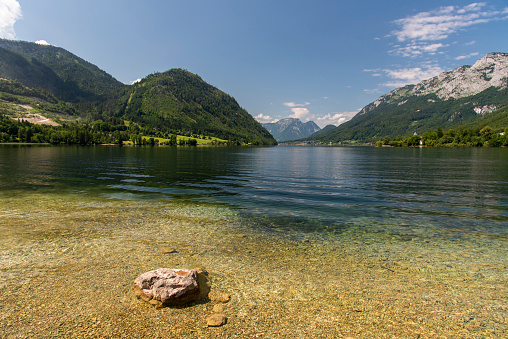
220 297
219 308
169 251
215 320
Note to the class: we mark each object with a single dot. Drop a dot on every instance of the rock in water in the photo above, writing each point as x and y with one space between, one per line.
215 320
167 287
220 297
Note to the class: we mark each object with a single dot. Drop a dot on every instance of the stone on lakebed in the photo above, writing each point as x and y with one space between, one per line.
220 297
216 320
168 287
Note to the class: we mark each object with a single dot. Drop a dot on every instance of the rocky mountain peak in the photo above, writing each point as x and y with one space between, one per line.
489 71
491 59
291 129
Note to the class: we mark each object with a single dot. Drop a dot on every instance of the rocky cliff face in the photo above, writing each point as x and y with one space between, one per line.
489 71
291 129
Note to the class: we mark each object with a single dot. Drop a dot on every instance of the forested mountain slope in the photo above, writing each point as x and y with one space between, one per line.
172 102
56 70
180 100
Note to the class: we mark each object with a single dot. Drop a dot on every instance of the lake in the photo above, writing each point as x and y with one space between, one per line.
308 241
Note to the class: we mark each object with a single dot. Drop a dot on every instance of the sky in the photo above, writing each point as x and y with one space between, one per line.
318 60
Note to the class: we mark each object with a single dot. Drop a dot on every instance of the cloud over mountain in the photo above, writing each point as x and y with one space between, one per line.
10 12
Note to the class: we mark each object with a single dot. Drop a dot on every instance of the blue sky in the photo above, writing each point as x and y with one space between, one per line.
315 59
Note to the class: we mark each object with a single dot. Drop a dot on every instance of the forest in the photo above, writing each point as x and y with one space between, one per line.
474 137
113 132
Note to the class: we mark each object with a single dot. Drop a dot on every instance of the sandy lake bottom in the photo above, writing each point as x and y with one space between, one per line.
67 266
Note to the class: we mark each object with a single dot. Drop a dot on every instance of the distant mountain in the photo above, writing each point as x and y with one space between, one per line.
291 129
451 99
325 129
162 103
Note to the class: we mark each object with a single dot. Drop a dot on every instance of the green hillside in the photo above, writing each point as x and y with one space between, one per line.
56 82
56 70
180 100
322 131
497 120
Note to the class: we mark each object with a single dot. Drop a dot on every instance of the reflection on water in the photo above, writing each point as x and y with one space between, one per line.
377 242
329 183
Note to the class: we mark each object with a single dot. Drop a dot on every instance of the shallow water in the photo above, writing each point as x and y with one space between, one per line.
309 242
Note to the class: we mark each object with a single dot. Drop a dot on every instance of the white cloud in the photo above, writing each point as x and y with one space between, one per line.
461 57
416 49
421 31
413 75
406 76
10 12
334 118
292 104
263 119
439 24
42 42
301 113
473 7
135 81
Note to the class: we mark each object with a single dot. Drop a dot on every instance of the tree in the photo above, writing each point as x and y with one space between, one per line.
486 132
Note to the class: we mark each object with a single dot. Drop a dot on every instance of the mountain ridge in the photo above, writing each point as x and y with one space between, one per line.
449 99
180 100
64 74
461 82
158 104
289 129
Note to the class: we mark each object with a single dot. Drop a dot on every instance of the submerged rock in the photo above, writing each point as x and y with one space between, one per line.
168 251
217 319
167 287
218 308
220 297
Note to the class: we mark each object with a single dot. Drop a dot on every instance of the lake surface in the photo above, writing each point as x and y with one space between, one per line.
378 242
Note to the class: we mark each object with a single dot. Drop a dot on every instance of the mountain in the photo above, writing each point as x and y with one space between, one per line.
180 100
451 99
52 80
325 129
291 129
56 70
